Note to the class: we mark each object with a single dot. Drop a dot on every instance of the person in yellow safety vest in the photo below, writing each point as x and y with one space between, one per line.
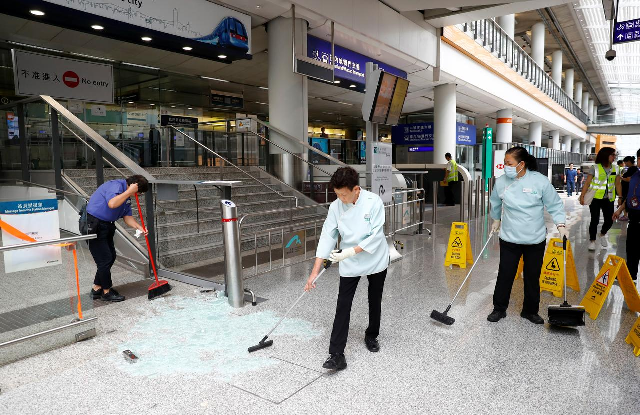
451 177
604 179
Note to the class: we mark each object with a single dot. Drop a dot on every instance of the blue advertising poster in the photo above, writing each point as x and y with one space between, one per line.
321 144
627 31
348 64
363 151
465 134
412 134
422 134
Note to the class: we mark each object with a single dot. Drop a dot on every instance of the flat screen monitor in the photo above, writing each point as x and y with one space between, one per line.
397 101
383 98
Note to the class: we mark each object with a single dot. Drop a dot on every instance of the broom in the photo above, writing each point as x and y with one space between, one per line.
160 286
565 314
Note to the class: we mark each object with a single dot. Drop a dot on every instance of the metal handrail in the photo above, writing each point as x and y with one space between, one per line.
98 139
302 143
47 242
18 182
91 148
521 62
238 168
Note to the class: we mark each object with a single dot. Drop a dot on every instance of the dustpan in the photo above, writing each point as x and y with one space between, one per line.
565 314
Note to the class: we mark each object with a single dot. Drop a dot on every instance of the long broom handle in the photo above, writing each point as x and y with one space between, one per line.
146 238
294 304
471 270
564 268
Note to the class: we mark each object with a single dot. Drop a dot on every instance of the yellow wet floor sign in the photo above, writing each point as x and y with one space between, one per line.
459 247
633 338
614 267
552 274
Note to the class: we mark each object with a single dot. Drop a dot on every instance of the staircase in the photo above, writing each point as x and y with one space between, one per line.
184 242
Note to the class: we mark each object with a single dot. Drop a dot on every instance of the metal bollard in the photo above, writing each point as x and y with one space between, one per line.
434 214
462 187
478 190
470 200
482 197
234 284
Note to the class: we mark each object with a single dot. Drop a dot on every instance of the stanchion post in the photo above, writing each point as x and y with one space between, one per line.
470 200
421 215
434 213
234 284
462 187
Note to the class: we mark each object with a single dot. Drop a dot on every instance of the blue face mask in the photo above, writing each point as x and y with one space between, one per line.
512 171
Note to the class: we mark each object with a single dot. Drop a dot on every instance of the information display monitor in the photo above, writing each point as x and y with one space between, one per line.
397 102
383 98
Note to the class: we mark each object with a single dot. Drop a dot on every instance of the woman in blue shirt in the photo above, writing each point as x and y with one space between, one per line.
518 201
358 217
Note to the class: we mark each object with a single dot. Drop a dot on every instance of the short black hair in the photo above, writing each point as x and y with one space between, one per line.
344 177
143 184
570 164
620 162
629 159
447 155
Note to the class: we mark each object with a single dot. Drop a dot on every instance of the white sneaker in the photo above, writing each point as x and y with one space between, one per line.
592 246
603 241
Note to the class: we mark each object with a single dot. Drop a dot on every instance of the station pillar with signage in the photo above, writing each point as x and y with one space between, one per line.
487 155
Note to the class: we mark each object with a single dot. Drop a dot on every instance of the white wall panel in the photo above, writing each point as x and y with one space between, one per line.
482 79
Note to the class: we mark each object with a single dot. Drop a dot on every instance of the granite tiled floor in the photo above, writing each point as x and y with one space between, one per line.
471 367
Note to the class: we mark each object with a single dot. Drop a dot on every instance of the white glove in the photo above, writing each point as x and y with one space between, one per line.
496 226
563 232
337 256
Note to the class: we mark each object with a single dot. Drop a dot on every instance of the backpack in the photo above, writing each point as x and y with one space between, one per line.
86 225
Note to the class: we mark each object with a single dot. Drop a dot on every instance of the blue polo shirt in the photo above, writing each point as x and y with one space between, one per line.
571 175
98 205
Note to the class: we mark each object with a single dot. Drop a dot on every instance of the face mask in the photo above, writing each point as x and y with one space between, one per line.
512 171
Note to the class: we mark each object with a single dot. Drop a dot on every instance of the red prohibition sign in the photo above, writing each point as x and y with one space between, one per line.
71 79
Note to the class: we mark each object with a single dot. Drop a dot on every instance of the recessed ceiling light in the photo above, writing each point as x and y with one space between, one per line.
152 104
352 86
146 39
189 108
130 102
36 12
336 82
97 27
258 6
187 48
222 56
173 106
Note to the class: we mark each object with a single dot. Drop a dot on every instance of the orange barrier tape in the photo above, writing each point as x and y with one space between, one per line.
21 235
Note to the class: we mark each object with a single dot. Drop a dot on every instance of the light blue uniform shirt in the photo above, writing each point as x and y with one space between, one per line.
521 207
360 224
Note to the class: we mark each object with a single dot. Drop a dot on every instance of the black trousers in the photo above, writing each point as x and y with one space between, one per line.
633 252
103 252
449 199
510 254
606 206
346 292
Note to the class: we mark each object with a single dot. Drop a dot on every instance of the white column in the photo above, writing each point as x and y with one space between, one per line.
535 133
288 97
585 102
568 82
444 122
575 145
578 94
590 110
566 145
555 140
556 67
584 146
504 126
507 23
537 43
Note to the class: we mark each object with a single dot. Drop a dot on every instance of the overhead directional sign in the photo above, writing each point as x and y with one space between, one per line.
627 31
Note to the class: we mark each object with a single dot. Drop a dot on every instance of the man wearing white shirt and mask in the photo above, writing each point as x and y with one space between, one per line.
358 217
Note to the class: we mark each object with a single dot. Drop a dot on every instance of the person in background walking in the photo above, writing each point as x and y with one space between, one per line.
630 164
631 203
107 204
604 181
451 177
579 180
570 178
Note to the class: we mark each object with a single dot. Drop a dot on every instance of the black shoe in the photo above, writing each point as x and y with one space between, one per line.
532 317
96 294
496 315
372 344
335 361
112 296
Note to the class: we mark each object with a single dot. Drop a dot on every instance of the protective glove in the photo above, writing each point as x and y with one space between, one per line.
337 256
496 226
563 232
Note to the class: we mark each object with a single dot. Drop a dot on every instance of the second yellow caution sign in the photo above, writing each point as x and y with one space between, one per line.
633 338
459 247
552 273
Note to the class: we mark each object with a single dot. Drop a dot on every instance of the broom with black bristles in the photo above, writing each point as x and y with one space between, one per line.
443 317
160 286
